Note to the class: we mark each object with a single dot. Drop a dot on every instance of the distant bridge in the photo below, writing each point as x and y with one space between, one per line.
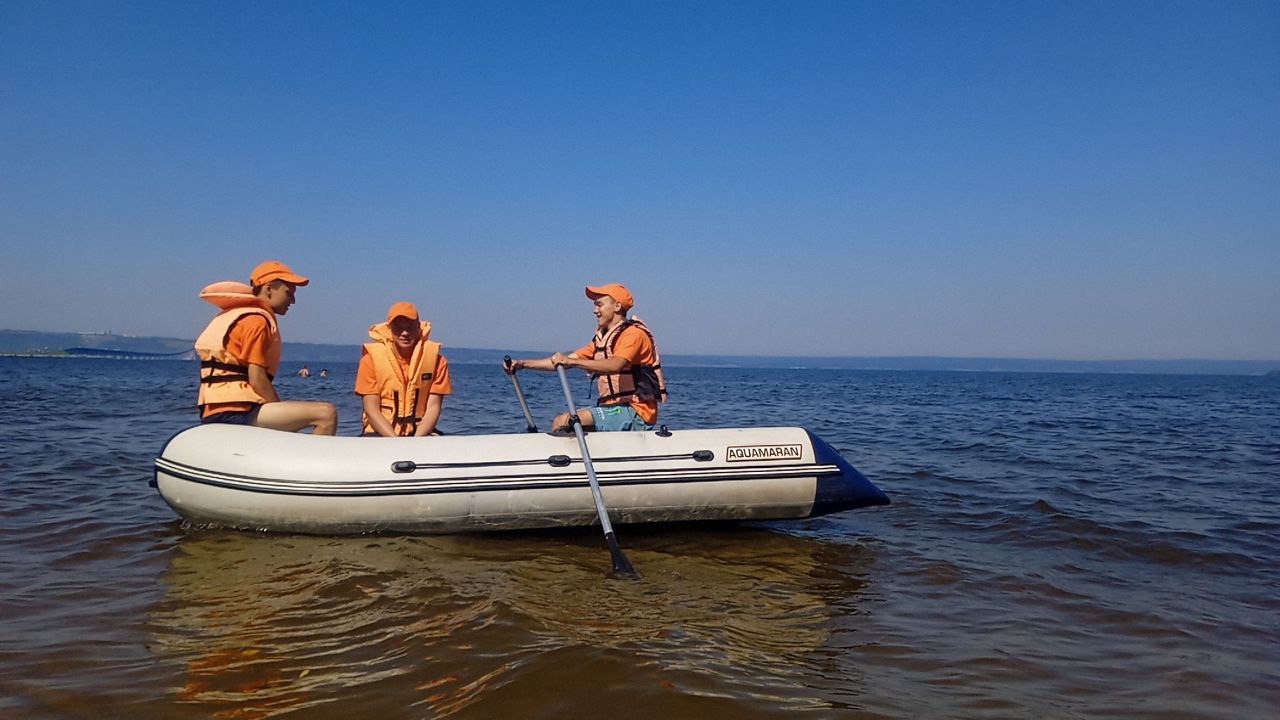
128 354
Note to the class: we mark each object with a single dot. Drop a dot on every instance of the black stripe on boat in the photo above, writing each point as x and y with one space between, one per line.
505 483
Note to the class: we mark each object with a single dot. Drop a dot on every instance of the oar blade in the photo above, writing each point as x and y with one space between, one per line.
621 565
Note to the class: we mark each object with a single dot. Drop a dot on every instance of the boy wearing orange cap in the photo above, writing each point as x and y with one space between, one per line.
240 354
402 378
623 358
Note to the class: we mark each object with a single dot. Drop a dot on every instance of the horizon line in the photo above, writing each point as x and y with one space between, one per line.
1018 358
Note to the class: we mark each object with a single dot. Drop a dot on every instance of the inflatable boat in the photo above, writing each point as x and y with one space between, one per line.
253 478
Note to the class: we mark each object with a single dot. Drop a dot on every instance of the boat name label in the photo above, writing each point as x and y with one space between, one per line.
741 453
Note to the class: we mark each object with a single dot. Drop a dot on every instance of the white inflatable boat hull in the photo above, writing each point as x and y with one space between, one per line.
251 478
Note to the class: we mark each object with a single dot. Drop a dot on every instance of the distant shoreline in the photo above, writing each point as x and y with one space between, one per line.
27 343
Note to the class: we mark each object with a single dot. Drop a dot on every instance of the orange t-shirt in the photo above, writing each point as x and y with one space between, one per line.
636 348
248 339
367 376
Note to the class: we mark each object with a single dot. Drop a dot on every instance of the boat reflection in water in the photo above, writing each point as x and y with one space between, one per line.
390 625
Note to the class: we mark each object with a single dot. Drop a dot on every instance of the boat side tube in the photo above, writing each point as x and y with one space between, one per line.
846 490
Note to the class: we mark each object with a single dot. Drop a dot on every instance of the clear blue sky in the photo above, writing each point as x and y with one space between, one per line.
1055 180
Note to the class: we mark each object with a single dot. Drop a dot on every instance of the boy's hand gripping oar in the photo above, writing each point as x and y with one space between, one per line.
621 566
528 416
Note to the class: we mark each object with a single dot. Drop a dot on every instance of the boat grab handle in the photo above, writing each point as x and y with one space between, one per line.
408 466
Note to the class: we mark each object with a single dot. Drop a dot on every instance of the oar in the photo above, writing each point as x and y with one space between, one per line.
528 416
621 566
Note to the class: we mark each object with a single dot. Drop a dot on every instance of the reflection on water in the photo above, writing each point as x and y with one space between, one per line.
266 624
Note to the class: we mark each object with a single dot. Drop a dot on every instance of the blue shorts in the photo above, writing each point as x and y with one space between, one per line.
609 418
230 417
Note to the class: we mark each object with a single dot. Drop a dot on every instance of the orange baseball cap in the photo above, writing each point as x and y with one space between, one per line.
402 309
617 291
269 270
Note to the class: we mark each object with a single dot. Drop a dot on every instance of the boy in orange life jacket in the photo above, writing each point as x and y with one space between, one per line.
240 353
624 359
403 378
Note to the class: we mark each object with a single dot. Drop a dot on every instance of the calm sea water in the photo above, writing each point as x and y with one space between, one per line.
1065 546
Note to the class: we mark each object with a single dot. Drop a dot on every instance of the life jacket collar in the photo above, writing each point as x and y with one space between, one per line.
382 332
230 294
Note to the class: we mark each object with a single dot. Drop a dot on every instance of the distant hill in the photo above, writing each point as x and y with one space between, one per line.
30 342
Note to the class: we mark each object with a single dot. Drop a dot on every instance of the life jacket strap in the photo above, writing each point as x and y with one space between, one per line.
398 419
613 398
212 379
238 373
401 418
217 365
241 372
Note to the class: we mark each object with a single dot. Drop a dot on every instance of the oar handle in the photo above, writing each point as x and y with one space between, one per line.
528 416
621 565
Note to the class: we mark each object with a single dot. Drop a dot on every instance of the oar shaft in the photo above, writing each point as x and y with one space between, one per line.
586 455
620 563
528 416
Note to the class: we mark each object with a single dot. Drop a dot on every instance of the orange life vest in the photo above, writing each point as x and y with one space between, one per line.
402 390
224 378
643 381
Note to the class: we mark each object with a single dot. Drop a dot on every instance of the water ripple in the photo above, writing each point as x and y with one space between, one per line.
1059 546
